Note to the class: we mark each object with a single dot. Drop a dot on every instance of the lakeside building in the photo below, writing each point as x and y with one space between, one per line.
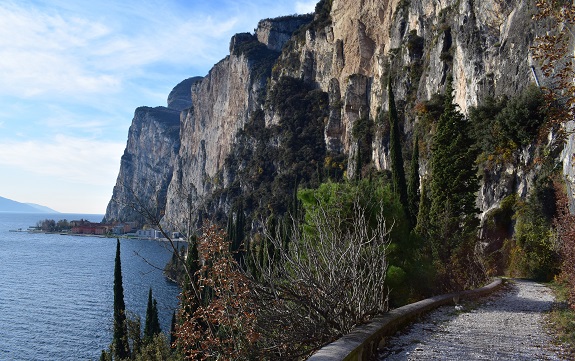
149 234
128 229
85 227
124 228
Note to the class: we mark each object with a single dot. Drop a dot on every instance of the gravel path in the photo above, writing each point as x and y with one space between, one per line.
505 326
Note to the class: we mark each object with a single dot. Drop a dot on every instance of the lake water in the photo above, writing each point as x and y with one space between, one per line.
56 292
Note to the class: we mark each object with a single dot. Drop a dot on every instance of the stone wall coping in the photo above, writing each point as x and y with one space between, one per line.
362 343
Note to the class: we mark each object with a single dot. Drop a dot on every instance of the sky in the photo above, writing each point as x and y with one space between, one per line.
72 72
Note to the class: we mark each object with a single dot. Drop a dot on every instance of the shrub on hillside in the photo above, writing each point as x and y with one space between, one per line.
565 227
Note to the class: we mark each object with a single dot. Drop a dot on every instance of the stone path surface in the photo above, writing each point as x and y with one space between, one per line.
506 326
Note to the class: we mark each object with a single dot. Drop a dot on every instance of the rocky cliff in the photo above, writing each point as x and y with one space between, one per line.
147 165
237 123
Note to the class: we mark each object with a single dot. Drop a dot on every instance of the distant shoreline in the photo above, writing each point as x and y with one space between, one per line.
122 236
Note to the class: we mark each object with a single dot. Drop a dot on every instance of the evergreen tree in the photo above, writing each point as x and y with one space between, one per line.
397 171
236 235
240 235
155 324
152 325
422 225
230 229
358 162
454 183
192 267
173 329
413 184
120 342
134 324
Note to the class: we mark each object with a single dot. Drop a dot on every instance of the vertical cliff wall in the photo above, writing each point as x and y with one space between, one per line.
483 45
232 124
222 104
147 165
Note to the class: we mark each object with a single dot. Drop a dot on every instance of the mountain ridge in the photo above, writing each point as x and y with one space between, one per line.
9 205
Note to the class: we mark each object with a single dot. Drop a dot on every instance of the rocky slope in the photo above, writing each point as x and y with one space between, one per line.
345 55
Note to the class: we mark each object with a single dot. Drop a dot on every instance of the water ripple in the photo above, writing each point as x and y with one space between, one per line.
56 292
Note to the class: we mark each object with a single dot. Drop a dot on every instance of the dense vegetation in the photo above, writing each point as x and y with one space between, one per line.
453 214
299 280
276 159
289 274
50 225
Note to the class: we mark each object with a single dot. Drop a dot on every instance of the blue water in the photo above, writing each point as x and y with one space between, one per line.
56 292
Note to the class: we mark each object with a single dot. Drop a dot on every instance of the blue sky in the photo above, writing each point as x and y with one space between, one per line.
73 71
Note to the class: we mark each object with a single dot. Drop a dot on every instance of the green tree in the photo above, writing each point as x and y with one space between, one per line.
422 226
134 325
120 344
358 162
152 325
413 184
104 356
190 286
362 132
397 171
536 248
236 235
454 183
173 329
158 349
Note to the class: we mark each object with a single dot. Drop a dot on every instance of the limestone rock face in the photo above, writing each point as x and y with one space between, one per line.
180 97
483 45
146 167
274 33
222 103
349 54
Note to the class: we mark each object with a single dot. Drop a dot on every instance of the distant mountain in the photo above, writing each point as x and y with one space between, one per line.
41 208
8 205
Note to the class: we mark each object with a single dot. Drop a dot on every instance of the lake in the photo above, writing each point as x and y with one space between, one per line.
56 291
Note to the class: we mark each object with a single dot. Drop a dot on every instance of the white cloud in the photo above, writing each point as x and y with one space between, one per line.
305 7
43 52
80 160
67 50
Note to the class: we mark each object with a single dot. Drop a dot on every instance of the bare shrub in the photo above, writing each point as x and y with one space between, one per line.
318 281
220 320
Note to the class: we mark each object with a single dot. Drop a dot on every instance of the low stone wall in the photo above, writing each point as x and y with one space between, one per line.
362 343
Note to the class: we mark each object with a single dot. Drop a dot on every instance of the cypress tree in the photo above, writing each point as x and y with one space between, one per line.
192 266
173 329
120 340
422 225
236 235
397 171
413 184
239 235
358 162
230 230
155 324
152 325
453 187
